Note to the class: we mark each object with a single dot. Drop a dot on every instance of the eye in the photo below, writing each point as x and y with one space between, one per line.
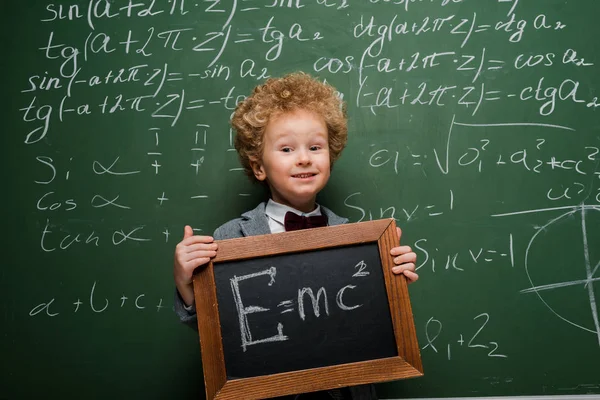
286 149
315 148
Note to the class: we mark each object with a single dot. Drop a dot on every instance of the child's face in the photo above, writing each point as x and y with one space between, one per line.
295 160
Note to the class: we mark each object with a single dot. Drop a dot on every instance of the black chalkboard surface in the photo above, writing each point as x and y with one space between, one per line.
474 124
304 311
332 306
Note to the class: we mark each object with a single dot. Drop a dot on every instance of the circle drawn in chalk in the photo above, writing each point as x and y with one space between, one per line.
564 277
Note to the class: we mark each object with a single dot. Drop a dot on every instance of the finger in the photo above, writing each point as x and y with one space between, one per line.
184 252
196 262
397 251
405 258
201 246
399 269
411 276
188 232
200 254
197 239
399 232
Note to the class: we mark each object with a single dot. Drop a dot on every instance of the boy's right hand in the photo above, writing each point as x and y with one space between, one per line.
190 253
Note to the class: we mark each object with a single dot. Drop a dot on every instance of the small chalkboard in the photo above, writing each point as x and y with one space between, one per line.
304 311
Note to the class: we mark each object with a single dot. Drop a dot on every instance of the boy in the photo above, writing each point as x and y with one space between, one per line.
289 132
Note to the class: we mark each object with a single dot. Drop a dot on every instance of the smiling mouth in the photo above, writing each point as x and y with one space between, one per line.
303 176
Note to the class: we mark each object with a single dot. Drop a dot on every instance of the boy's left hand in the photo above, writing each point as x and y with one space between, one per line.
405 260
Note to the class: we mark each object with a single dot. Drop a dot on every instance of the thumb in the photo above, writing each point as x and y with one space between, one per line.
399 231
187 232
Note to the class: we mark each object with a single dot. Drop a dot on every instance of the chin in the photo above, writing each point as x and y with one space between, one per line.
301 199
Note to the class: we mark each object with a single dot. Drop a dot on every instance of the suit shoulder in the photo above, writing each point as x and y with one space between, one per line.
229 230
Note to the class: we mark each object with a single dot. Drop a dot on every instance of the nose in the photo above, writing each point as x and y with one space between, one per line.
303 157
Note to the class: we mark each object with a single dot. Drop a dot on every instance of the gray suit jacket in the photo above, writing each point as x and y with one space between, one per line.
255 222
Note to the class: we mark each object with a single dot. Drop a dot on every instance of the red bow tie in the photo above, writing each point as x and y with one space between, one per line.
294 222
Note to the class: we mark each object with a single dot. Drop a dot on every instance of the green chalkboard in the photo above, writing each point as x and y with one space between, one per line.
475 124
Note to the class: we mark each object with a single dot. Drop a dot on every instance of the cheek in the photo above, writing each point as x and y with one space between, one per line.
326 168
326 162
280 168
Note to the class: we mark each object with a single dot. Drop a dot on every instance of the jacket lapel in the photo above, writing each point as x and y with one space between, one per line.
255 222
333 219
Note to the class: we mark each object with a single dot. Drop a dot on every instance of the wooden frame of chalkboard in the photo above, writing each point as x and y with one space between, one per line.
406 364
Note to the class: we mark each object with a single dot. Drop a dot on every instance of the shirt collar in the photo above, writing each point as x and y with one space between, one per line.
276 211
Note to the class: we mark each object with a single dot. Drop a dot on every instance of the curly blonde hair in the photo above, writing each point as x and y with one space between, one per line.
277 96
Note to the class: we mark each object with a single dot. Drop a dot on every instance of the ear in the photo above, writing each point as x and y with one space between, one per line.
258 169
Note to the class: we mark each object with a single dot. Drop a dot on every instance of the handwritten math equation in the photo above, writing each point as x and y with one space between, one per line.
318 303
157 79
95 303
470 341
